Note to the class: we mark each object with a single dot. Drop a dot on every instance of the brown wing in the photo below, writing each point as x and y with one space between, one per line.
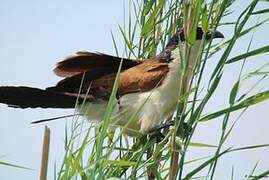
143 77
93 63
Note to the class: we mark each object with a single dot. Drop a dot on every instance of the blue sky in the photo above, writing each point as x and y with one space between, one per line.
36 34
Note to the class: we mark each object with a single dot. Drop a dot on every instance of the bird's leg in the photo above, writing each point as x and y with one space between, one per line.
165 125
156 135
156 132
183 132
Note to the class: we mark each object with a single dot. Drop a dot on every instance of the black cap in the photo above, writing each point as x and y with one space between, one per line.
199 36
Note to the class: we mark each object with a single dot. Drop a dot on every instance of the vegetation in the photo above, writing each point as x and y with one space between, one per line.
94 153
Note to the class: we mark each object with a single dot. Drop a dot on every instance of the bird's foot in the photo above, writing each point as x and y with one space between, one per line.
183 131
156 132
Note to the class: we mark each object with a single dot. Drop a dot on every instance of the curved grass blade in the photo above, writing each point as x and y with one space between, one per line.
229 150
261 11
260 97
108 113
255 52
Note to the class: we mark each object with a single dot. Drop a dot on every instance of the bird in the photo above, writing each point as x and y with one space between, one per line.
147 91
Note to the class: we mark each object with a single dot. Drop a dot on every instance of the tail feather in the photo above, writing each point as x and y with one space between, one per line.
28 97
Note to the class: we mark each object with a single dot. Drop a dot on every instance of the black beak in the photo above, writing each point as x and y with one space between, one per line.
213 35
217 34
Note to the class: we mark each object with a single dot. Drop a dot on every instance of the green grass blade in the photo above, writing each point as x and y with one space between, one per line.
249 147
108 113
120 163
148 27
262 175
15 166
195 144
258 98
205 164
114 43
261 11
127 42
255 52
234 92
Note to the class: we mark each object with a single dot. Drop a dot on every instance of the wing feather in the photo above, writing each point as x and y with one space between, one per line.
88 61
140 78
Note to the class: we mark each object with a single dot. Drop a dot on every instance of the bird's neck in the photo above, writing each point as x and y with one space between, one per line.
189 56
190 61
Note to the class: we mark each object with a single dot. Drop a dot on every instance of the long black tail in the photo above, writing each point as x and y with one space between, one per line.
27 97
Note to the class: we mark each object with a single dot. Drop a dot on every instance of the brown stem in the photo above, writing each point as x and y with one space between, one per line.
45 154
175 155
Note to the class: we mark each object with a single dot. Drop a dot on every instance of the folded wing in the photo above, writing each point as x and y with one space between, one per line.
98 73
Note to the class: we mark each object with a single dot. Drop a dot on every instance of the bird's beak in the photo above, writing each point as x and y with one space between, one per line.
217 34
213 35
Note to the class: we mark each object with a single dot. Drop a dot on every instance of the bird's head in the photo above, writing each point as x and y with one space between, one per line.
178 39
179 36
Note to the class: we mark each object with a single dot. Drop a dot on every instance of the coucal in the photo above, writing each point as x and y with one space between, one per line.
147 90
